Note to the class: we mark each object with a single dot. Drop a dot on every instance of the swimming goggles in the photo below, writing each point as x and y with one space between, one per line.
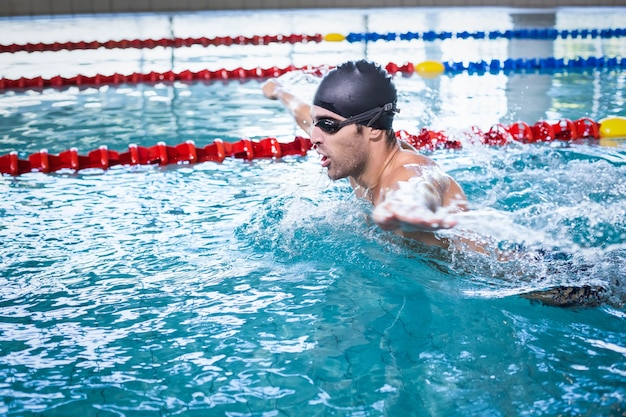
332 126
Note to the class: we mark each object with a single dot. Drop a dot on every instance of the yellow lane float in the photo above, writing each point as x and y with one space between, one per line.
613 127
612 131
429 69
334 37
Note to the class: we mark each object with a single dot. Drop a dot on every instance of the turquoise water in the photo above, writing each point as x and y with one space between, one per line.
260 288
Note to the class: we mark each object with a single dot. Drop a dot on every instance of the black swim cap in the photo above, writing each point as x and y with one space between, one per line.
356 87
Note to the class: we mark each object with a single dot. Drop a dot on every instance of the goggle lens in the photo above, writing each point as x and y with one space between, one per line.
328 125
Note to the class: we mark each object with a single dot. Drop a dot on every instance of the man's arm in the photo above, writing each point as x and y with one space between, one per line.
423 200
300 110
419 197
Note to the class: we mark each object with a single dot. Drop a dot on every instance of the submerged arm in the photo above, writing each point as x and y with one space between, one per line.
419 198
424 203
300 110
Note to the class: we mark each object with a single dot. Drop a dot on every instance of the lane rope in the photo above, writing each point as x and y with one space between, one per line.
352 37
427 140
494 66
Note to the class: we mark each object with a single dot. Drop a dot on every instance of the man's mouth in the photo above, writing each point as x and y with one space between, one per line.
325 161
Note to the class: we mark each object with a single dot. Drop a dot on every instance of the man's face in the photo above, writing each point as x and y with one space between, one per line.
343 152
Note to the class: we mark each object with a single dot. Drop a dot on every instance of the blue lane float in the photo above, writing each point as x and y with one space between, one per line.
431 36
535 64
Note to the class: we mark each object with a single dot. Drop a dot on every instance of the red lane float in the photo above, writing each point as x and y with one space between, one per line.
164 42
171 76
499 135
218 151
160 154
153 77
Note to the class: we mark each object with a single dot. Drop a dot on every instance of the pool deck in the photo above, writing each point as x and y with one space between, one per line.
64 7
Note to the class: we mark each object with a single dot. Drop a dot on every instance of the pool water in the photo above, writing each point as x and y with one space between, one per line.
260 288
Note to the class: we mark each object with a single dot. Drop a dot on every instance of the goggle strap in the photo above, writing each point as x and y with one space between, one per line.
369 116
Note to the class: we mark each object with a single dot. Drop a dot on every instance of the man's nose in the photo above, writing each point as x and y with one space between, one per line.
317 136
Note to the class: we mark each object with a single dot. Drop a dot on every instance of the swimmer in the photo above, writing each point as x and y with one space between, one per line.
350 126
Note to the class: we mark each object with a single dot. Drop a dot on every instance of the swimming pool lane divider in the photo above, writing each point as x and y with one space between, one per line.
270 147
426 68
352 37
160 154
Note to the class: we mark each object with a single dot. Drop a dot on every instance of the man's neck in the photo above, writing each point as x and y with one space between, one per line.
368 184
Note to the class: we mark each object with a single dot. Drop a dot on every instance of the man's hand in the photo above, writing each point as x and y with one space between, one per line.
300 111
411 218
270 88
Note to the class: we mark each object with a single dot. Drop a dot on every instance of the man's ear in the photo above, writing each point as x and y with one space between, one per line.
376 134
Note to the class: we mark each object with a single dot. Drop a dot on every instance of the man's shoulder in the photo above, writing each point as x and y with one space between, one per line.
407 165
410 157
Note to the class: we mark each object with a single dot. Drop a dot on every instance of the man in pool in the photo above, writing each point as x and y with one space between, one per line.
350 126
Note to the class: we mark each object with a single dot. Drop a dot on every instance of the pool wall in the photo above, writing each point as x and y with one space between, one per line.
62 7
